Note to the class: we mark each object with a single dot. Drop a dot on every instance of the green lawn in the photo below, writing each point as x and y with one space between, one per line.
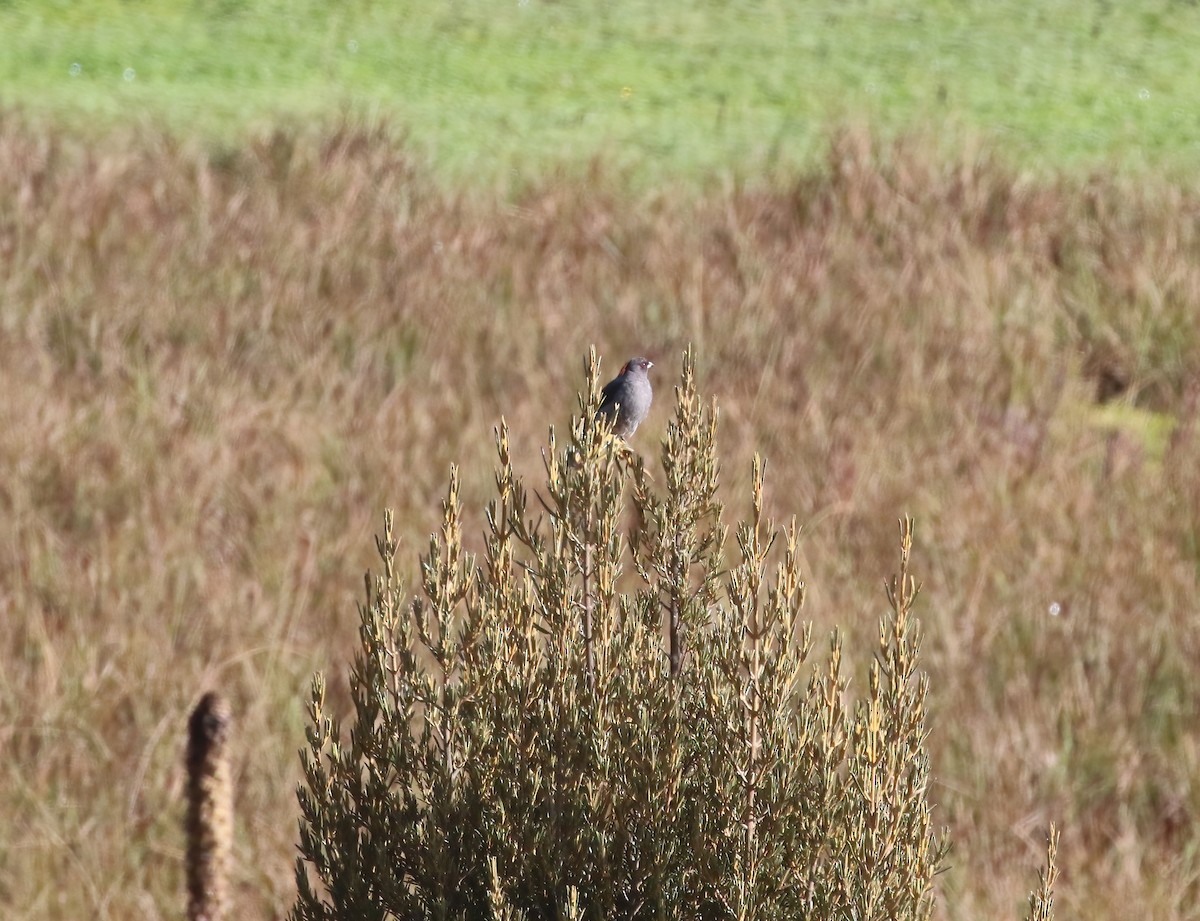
662 89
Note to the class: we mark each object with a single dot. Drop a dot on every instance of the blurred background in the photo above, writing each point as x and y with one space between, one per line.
267 268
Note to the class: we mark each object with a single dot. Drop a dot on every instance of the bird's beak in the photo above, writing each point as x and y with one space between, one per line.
649 363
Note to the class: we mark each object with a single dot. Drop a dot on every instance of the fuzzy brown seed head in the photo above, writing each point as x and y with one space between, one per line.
209 823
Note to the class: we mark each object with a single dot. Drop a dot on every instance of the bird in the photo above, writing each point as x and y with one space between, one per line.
625 400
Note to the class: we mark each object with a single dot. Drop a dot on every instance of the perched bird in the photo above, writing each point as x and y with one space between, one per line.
627 397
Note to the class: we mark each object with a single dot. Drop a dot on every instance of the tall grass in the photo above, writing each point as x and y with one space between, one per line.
217 369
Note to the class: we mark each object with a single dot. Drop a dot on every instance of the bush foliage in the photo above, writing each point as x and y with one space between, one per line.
584 723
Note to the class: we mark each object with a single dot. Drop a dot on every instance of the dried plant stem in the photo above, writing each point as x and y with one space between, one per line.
1041 900
588 627
754 551
675 639
209 823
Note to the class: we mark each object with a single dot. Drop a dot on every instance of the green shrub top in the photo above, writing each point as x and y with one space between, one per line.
608 715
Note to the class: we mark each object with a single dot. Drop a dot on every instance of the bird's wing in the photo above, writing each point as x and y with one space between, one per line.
608 395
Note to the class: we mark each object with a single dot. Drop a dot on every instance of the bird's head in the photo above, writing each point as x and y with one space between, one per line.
637 365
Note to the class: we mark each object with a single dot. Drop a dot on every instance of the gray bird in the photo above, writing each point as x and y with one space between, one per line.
627 396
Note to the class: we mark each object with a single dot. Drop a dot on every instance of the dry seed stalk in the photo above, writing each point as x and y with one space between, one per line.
209 823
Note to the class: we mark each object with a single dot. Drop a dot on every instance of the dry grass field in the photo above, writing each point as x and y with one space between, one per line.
216 370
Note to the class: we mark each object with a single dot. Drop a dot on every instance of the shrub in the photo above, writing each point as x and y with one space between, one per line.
583 723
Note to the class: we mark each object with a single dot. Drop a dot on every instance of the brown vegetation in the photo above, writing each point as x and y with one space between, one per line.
217 367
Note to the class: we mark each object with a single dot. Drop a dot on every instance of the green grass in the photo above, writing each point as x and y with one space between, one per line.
659 89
